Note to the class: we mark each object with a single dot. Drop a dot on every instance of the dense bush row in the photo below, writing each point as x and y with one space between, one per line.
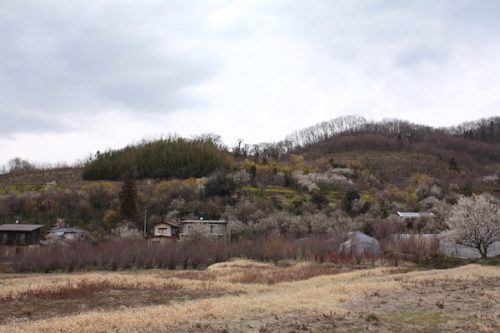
138 253
134 253
165 158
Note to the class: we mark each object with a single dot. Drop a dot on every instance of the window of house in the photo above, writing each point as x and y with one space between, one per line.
162 231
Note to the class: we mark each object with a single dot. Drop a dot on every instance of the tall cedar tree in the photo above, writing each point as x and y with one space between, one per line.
128 197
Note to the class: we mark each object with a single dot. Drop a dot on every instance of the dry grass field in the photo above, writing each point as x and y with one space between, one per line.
246 296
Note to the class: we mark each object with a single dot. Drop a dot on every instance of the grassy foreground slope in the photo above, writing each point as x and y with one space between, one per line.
230 297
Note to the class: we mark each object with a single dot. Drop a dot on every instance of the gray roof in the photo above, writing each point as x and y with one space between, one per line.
205 221
68 230
172 224
20 227
414 214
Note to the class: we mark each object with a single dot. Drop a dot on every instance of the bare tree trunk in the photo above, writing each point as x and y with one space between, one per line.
483 250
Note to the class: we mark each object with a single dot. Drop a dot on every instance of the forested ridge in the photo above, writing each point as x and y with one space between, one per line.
353 133
164 158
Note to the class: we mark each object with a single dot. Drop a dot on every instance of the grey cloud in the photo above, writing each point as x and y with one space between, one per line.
414 57
396 29
20 121
61 60
57 59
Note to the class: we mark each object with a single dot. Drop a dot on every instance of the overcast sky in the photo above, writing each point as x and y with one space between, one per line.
82 76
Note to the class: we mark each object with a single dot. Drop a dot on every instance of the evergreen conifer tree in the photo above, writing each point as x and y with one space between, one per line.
128 198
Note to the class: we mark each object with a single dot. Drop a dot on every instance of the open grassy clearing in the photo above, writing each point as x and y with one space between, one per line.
244 296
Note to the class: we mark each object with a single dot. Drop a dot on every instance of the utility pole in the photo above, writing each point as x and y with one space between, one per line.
145 220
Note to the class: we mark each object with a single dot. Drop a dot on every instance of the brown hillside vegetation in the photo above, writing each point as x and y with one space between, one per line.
433 152
228 298
37 178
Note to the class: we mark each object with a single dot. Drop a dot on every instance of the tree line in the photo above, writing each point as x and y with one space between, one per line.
387 134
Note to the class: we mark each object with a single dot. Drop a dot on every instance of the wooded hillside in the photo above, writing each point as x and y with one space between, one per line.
354 174
165 158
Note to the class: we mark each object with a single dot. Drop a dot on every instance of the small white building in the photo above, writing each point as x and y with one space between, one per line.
205 228
415 215
411 219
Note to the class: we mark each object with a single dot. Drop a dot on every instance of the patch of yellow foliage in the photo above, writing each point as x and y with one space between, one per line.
165 185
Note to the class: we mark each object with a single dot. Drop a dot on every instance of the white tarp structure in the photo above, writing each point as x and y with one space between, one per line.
452 249
360 243
448 247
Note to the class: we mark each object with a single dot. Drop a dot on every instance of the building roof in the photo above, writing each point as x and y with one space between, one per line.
20 227
205 221
67 230
173 224
414 214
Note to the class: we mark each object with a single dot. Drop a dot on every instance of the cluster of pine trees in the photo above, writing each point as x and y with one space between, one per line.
165 158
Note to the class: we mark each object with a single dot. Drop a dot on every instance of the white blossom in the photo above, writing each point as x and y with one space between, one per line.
493 179
312 181
475 222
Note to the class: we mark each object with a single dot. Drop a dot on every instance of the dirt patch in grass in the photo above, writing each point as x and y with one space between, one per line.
432 304
413 319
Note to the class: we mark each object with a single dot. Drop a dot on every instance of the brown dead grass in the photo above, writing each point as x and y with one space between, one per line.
251 272
326 299
76 289
19 285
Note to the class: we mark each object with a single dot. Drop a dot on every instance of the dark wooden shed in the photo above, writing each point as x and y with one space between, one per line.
20 234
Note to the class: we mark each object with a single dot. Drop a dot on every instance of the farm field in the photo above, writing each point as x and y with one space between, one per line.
246 296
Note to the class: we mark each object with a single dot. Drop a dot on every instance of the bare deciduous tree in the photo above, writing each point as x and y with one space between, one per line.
475 221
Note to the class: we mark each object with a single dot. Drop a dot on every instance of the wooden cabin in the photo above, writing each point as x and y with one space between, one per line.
166 229
20 234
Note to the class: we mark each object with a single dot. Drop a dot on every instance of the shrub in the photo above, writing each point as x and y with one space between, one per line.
122 254
220 185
